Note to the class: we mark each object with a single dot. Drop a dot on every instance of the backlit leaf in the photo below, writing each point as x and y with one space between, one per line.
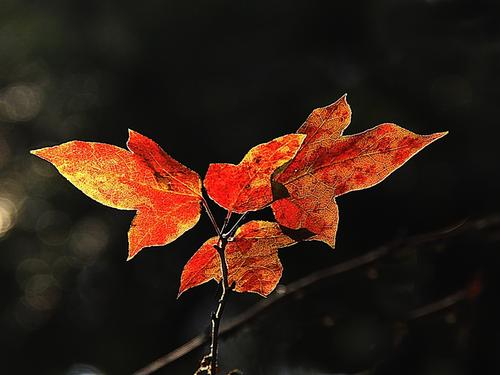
330 164
165 193
252 259
247 186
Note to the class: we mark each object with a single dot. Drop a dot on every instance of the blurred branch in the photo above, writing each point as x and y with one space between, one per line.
300 285
440 305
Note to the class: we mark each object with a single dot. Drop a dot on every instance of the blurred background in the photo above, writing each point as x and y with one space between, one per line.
208 80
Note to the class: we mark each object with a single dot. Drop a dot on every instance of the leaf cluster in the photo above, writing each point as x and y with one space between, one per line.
298 175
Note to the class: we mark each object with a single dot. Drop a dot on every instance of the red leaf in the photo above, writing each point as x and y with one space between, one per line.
330 164
252 259
247 186
165 193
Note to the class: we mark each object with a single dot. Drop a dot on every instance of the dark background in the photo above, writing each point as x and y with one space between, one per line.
208 80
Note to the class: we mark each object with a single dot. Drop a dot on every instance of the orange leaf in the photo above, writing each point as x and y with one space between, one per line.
330 164
252 259
247 186
165 193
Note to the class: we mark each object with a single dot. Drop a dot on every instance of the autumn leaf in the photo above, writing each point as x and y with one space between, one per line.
247 186
165 193
252 259
330 164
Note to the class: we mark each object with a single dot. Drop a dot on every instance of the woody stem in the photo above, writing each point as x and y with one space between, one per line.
226 288
217 316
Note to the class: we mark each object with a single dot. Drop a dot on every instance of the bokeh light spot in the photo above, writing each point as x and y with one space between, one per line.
53 227
41 292
27 268
20 102
88 238
8 214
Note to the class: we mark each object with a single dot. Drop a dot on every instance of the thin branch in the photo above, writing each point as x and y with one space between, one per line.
226 222
236 225
217 316
440 305
211 216
209 362
314 278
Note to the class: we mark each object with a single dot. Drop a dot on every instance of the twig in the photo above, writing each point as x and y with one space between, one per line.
209 362
211 216
236 225
226 222
247 316
442 304
217 316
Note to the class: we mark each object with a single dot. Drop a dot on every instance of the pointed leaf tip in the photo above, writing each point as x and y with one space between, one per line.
38 152
441 134
131 133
